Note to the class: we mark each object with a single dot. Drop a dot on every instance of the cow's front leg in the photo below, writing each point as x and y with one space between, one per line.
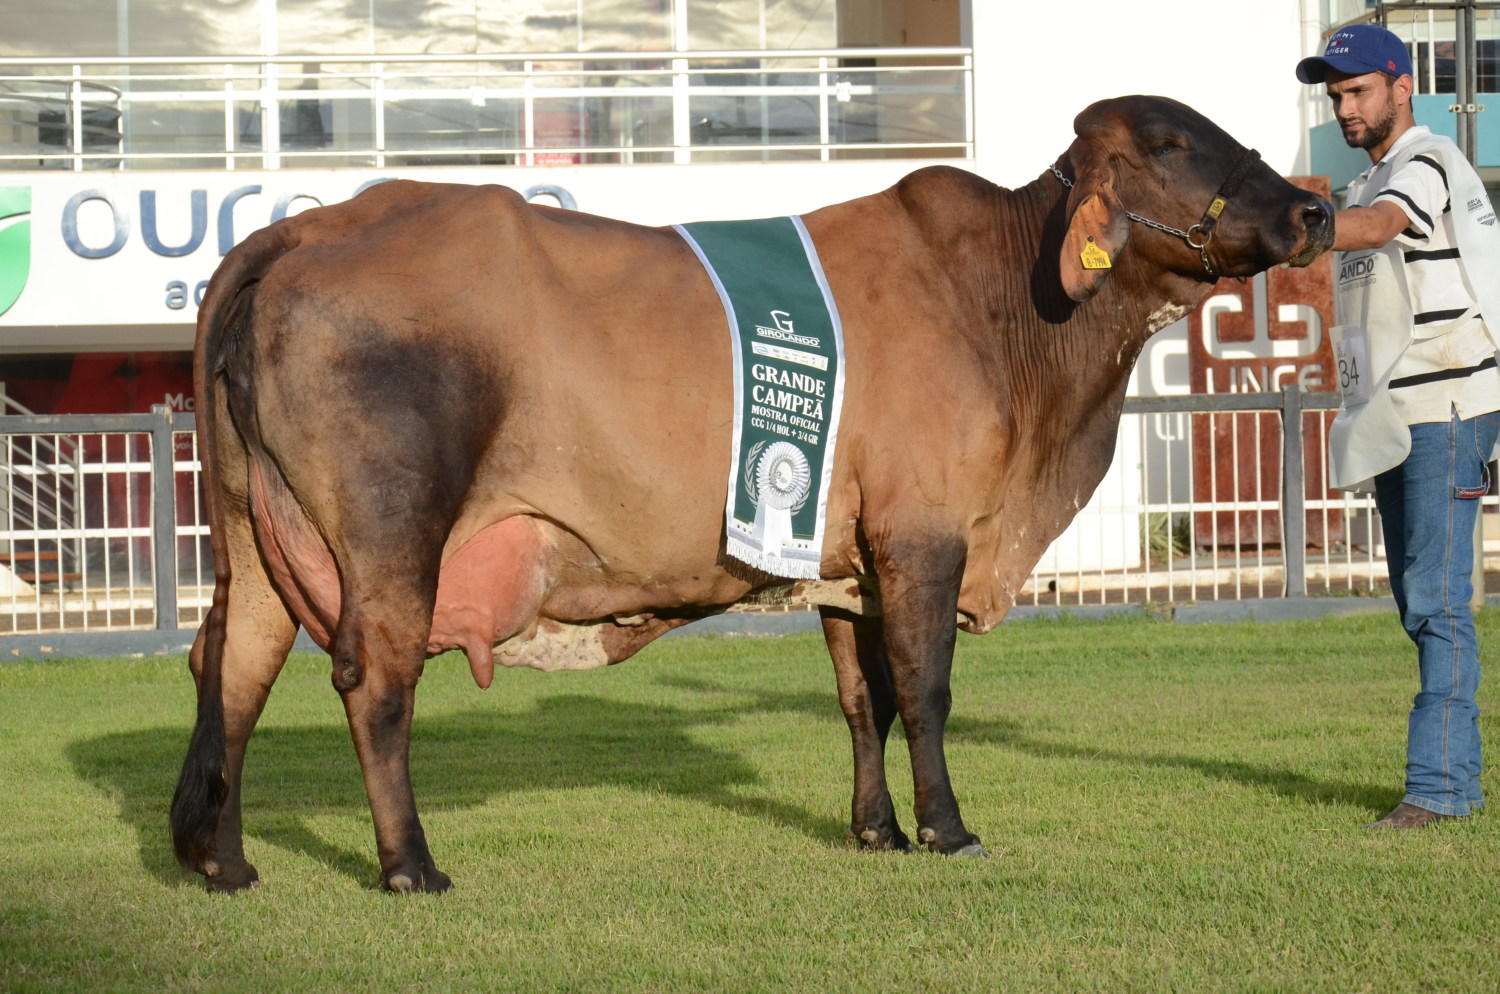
869 707
376 666
919 583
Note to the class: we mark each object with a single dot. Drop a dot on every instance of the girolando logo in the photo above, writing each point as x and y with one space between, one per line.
15 243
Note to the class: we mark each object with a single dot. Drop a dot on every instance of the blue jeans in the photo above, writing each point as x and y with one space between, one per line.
1428 506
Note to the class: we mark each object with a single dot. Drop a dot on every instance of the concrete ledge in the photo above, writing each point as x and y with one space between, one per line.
1087 612
756 624
1209 612
136 644
752 623
1282 609
65 644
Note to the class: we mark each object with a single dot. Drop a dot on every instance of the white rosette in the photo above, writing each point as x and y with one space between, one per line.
783 479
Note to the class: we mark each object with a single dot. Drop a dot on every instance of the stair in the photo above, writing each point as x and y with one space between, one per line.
28 566
38 494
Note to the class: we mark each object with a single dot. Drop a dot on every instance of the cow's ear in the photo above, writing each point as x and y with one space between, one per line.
1097 232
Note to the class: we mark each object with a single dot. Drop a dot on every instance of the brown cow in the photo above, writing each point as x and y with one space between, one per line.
438 417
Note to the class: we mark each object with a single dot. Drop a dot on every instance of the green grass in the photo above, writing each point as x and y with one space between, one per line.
1171 808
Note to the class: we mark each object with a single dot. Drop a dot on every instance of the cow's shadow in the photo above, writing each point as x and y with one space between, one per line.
467 758
460 759
1014 735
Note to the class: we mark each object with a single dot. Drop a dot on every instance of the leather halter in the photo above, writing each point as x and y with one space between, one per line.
1204 229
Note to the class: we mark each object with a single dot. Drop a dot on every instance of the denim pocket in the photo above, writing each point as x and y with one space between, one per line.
1474 493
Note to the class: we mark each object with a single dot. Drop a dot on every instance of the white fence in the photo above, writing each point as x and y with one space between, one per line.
1216 497
1219 497
101 526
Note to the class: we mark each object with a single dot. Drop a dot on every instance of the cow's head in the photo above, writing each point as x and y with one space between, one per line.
1163 162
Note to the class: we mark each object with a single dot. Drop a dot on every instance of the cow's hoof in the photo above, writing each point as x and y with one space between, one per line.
965 845
427 881
229 878
876 841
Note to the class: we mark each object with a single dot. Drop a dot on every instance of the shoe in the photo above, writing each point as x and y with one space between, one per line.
1410 816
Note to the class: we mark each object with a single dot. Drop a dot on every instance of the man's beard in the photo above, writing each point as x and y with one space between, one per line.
1376 131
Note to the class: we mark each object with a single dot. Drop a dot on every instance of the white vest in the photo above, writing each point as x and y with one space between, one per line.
1375 320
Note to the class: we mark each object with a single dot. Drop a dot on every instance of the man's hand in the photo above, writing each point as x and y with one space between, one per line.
1368 227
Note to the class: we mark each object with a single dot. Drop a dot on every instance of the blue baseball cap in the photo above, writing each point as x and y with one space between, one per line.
1356 50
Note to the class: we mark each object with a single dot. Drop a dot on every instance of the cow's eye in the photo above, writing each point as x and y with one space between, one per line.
1165 147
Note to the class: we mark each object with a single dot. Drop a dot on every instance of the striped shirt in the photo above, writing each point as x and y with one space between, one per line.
1451 362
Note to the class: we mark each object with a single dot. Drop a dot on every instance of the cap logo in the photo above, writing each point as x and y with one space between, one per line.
1362 48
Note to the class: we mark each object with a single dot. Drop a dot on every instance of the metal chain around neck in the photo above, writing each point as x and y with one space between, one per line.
1133 215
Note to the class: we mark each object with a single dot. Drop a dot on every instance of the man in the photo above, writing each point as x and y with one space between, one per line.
1419 308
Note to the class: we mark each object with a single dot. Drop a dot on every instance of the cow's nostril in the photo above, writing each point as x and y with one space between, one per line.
1315 217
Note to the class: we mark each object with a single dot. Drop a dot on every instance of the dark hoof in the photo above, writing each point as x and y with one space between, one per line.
229 878
428 881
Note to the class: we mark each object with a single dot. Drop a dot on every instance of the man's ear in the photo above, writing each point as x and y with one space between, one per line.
1404 86
1098 229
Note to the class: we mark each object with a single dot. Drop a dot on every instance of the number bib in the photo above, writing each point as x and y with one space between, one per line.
1351 361
1368 291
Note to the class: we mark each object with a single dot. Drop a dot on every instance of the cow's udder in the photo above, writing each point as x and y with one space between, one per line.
489 591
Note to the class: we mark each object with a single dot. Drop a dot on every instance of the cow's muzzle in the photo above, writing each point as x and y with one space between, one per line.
1314 219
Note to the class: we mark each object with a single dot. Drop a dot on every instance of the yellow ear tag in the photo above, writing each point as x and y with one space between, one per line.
1094 257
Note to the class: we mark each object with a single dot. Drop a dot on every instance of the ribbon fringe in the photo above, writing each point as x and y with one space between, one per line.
771 561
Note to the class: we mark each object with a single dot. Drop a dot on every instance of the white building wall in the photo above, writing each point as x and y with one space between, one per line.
1037 65
1231 60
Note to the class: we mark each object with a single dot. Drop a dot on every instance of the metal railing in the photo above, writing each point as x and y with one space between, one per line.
126 525
273 112
1212 497
1217 497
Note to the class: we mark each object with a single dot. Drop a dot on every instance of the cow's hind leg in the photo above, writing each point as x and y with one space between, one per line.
378 655
869 705
236 657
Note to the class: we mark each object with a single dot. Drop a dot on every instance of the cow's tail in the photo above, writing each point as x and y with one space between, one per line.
202 787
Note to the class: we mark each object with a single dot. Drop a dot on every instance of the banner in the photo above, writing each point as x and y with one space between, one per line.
788 388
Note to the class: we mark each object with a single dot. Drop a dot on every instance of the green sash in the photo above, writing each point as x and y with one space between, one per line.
788 388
